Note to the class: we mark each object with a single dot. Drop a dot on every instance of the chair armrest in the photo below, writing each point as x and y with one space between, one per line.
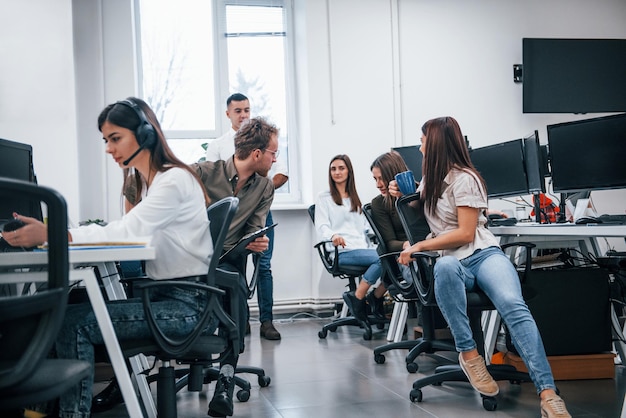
176 347
529 255
148 284
423 276
325 255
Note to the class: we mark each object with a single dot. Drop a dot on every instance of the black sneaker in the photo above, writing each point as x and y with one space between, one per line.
377 305
222 403
357 306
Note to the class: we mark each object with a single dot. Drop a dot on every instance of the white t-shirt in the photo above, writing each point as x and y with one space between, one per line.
172 217
224 147
331 219
461 188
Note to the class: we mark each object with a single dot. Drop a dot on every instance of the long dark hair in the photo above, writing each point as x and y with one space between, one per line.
162 157
445 149
389 164
355 201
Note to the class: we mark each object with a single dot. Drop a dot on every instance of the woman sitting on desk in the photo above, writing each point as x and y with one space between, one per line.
172 215
455 197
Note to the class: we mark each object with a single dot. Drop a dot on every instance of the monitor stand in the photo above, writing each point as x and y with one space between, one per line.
537 203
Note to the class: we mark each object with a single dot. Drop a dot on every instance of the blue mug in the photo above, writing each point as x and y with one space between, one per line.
406 182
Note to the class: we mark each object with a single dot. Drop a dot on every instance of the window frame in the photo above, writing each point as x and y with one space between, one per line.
222 83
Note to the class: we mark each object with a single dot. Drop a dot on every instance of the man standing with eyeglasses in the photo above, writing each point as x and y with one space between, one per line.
238 111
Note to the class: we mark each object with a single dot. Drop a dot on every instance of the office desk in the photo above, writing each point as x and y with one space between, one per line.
83 263
584 238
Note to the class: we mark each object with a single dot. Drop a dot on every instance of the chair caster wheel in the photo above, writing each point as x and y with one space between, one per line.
333 329
322 334
243 395
415 395
264 381
379 358
412 367
490 403
380 325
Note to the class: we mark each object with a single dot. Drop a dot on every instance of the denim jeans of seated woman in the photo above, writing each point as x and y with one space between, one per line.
176 310
491 270
363 257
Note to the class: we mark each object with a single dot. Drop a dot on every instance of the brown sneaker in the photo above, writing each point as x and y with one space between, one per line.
554 407
269 332
478 376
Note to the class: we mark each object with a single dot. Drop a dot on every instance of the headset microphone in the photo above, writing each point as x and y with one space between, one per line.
133 156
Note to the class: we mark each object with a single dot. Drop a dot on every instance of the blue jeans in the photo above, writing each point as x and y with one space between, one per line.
176 310
265 281
491 270
363 257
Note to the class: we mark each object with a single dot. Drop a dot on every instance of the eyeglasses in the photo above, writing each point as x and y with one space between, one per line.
276 153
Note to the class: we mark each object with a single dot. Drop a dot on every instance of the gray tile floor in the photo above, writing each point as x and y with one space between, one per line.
337 377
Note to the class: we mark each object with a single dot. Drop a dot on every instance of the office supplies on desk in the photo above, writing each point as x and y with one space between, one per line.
618 219
588 220
503 222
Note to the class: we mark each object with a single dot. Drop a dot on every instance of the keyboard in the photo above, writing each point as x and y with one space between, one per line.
613 219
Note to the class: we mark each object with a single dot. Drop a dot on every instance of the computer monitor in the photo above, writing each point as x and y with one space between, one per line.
573 75
16 162
588 154
412 156
502 167
534 163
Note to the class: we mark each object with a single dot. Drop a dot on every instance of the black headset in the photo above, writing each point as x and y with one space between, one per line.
145 133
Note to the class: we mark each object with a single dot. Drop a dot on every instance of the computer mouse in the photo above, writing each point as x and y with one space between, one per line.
12 225
588 220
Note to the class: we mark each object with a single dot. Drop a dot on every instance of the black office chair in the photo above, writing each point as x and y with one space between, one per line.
477 303
29 323
330 260
198 350
407 293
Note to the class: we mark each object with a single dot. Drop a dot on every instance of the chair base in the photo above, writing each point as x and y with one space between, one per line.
453 373
351 320
415 347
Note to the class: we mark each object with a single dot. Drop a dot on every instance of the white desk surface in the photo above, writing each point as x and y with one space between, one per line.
79 256
569 230
102 258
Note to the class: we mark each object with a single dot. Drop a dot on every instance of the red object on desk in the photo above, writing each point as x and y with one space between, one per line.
548 209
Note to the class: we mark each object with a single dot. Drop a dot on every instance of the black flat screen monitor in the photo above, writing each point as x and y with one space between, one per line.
573 75
16 162
412 156
588 154
534 164
502 167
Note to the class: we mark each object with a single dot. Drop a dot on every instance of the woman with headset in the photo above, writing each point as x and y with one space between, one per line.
172 216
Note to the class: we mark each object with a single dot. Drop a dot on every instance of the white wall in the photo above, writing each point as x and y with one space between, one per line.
369 73
37 90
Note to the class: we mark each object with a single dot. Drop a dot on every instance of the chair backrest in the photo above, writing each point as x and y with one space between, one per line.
29 323
220 214
410 211
388 259
311 211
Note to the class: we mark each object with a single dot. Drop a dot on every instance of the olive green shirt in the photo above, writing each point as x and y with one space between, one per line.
255 197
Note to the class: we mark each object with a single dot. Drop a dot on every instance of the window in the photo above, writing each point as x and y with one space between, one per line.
194 53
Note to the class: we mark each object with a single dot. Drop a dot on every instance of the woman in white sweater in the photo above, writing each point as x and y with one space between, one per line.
172 217
338 218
